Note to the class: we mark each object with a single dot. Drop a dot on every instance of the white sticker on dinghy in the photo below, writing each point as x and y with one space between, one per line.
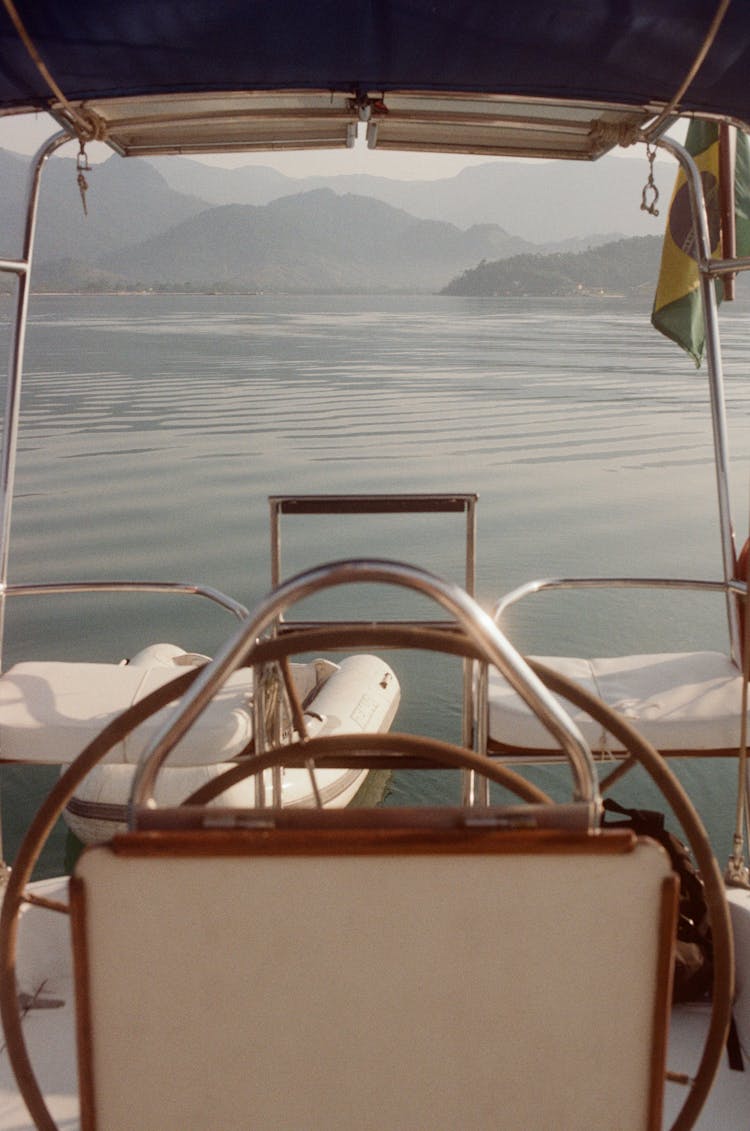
363 712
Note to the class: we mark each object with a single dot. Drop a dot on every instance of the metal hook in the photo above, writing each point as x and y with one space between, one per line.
82 165
650 185
82 161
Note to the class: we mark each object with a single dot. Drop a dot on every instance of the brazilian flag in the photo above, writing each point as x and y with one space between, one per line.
677 311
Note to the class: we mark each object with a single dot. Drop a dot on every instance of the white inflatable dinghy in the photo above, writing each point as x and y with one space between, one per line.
49 711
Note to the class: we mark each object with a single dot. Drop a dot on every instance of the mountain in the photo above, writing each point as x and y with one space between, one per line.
248 184
317 241
141 231
626 267
126 201
541 201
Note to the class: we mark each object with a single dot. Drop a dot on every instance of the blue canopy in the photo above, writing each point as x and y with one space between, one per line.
580 53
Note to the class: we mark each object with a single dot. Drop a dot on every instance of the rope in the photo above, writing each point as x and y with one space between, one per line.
88 126
706 46
608 134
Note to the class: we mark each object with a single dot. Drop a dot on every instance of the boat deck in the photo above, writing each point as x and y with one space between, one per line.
728 1104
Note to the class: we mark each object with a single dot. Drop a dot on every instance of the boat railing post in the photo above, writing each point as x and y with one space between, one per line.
714 365
22 269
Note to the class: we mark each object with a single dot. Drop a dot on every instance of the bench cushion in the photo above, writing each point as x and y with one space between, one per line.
678 701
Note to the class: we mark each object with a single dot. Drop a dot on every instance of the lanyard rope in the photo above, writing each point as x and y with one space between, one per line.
711 34
88 126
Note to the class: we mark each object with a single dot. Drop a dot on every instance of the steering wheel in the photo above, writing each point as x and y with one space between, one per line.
480 639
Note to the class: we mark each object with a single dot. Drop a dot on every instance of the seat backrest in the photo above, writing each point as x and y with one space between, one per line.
373 979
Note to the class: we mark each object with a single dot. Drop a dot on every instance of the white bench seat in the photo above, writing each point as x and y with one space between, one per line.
686 701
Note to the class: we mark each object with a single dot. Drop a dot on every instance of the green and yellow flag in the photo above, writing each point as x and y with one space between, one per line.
677 311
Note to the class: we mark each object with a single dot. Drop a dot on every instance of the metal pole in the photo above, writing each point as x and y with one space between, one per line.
15 366
21 269
715 374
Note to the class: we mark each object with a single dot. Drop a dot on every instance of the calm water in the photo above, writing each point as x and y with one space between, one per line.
155 427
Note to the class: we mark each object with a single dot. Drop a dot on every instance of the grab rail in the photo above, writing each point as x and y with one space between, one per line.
376 504
391 503
21 268
477 624
188 588
733 586
529 588
714 366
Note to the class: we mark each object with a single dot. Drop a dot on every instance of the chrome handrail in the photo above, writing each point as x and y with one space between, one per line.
714 366
22 269
188 588
477 624
400 503
529 588
539 585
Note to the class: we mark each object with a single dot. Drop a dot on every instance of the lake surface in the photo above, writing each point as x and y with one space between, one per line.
155 427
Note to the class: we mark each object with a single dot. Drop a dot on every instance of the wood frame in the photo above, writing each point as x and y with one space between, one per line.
313 843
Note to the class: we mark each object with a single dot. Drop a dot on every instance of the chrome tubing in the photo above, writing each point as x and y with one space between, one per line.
529 588
22 268
715 372
477 624
406 503
52 588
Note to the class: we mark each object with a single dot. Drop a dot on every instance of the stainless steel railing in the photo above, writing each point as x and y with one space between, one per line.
477 625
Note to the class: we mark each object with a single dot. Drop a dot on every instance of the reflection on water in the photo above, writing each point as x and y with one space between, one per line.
155 427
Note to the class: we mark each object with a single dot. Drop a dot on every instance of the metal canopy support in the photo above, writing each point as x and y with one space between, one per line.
434 122
706 272
22 269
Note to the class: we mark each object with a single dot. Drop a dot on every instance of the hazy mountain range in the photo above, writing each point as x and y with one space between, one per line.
253 229
544 202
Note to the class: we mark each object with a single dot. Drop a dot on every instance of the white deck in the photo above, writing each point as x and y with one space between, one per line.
728 1106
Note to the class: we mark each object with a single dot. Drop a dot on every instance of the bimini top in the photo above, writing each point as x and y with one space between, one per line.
552 78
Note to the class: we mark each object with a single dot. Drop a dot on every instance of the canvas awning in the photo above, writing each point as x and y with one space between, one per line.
552 78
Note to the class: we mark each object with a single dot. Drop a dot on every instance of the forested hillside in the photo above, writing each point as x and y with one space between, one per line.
626 267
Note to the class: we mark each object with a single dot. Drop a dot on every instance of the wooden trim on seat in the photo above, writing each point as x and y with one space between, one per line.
77 897
494 746
308 840
663 1000
310 834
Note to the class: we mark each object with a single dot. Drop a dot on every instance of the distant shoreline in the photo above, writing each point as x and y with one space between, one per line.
177 293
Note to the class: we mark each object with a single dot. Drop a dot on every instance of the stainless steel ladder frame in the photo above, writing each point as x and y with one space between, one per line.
368 504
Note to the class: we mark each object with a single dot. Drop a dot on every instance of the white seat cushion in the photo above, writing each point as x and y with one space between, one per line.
49 711
678 701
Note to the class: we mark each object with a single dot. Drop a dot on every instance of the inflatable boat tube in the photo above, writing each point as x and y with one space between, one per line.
359 695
